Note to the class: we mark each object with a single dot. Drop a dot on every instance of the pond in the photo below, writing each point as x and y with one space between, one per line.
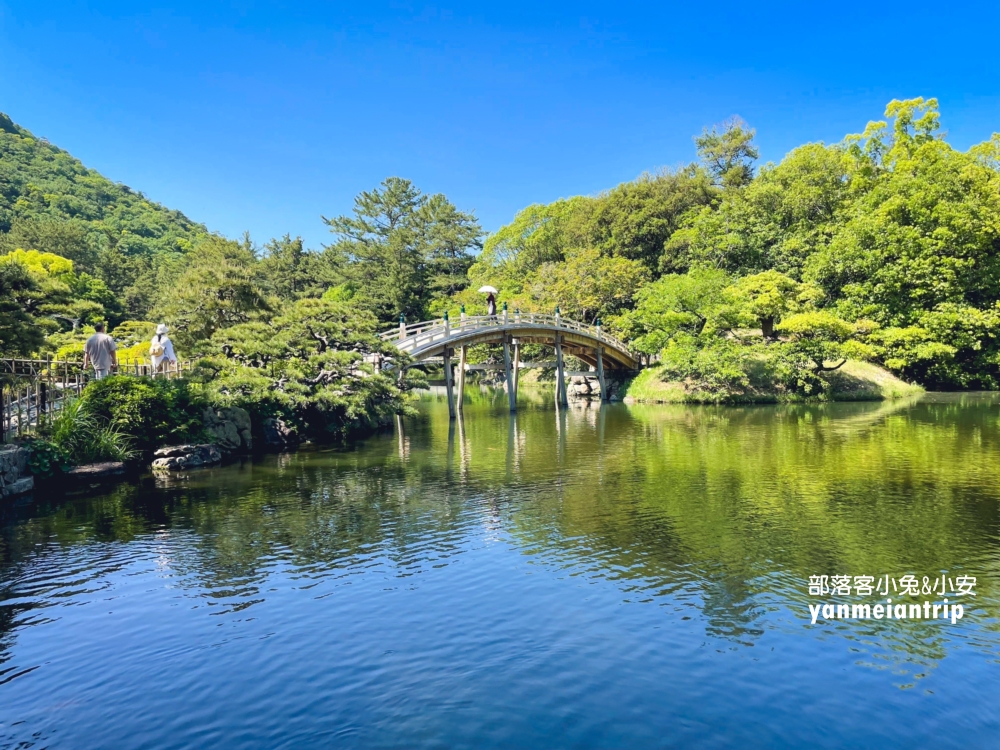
616 576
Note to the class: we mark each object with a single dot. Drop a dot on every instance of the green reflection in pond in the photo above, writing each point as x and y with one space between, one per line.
724 511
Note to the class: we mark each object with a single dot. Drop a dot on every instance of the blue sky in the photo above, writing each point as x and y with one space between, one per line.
262 117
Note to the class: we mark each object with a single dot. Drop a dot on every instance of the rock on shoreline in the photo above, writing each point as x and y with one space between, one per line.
229 428
182 457
96 471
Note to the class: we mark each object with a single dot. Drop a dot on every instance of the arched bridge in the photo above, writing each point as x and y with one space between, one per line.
444 338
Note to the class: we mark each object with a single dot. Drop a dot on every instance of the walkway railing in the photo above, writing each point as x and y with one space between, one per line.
25 402
31 389
413 336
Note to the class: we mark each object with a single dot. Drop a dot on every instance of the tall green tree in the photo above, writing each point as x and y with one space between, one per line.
290 272
218 289
676 303
588 286
452 237
728 152
637 219
540 233
922 227
20 333
399 245
787 214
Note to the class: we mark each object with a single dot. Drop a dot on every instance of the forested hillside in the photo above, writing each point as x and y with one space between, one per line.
51 202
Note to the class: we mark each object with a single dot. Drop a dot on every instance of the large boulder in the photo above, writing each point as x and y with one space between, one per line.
229 428
183 457
583 387
278 435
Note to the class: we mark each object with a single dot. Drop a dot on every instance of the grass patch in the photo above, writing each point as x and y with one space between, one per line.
863 381
855 381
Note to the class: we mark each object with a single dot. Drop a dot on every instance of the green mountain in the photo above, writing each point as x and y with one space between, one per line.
40 182
49 201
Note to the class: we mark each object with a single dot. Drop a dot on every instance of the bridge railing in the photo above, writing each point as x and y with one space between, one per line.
414 335
412 329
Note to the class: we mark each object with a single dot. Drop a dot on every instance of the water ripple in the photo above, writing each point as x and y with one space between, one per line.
591 578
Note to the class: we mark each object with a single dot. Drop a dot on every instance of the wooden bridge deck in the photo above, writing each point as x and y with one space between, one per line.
430 338
442 337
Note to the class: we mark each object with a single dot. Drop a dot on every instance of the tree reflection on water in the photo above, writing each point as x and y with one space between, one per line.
722 512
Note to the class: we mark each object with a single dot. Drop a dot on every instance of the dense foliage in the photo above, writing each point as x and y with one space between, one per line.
80 433
590 255
883 247
314 365
153 412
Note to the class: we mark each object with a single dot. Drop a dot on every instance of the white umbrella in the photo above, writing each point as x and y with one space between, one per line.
488 290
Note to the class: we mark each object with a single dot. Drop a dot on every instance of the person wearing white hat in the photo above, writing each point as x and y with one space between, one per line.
161 350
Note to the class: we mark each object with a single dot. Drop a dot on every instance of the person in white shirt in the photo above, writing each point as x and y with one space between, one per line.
161 350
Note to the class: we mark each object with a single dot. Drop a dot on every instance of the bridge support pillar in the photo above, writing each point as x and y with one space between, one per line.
511 391
461 376
600 373
561 399
517 365
448 380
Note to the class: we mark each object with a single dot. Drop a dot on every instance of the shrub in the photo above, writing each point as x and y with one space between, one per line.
717 366
81 437
152 412
45 458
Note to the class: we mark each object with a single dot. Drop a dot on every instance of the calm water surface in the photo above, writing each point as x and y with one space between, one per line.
615 577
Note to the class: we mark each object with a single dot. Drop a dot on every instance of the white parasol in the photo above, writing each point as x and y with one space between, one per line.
488 289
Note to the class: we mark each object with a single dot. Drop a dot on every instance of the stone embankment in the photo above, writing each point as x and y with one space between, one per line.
231 434
229 429
14 476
